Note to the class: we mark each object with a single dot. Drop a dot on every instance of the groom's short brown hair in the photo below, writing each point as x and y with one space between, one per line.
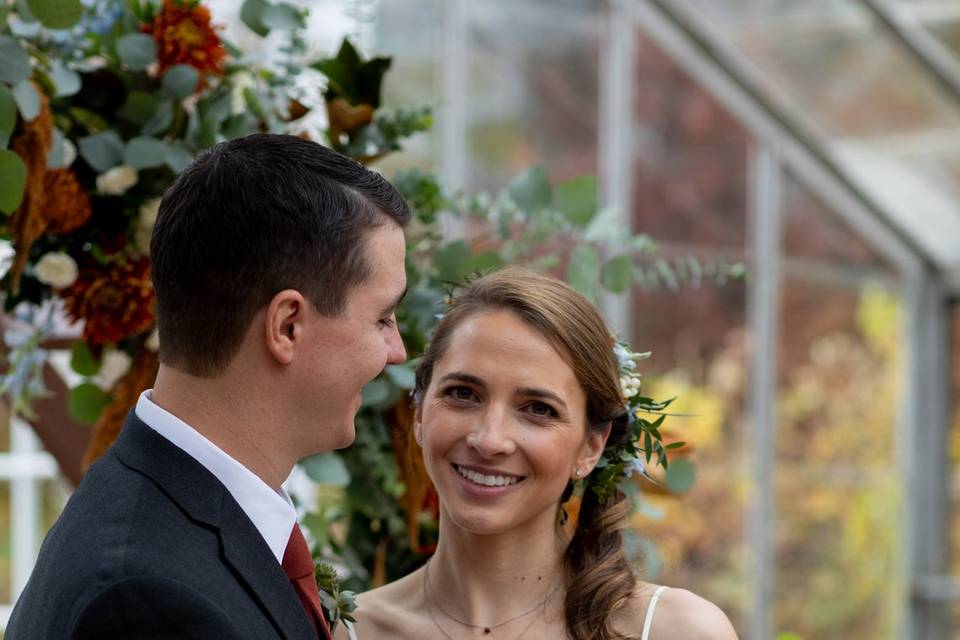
252 217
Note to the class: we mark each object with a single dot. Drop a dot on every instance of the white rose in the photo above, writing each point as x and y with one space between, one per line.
148 217
69 152
241 80
116 181
115 365
153 342
57 270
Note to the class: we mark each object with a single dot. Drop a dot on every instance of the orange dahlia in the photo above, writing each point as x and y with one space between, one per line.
184 35
116 301
67 206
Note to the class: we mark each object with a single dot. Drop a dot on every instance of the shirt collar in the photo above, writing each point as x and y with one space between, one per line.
271 512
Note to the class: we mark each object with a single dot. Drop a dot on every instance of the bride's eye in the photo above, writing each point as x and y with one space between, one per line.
542 410
459 392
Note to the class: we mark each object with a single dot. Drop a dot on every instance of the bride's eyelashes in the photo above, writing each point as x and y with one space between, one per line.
461 394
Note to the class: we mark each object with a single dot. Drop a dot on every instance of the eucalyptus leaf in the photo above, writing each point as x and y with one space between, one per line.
27 99
82 360
13 177
57 14
251 13
102 151
177 157
402 376
448 260
67 81
137 50
481 263
531 189
282 16
57 156
16 62
327 468
161 119
86 401
8 111
181 81
583 272
681 475
577 199
618 274
145 153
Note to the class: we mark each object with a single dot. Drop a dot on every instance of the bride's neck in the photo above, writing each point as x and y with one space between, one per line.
486 579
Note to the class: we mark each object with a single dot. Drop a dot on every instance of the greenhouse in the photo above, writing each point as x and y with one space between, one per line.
765 195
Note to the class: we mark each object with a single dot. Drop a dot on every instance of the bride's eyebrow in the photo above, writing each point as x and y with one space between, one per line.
462 377
542 393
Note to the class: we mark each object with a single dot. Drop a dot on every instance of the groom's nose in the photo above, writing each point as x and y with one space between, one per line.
396 352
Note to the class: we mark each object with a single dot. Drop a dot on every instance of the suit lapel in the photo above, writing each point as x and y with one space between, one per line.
204 498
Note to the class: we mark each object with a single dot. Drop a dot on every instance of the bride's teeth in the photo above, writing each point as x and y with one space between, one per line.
488 481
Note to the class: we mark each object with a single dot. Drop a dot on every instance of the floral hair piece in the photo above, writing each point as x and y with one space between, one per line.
632 450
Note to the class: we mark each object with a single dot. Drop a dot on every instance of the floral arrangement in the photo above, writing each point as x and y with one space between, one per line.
102 102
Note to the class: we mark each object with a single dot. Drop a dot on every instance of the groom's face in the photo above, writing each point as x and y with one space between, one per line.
348 351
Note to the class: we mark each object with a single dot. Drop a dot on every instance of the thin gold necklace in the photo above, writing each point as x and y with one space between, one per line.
486 628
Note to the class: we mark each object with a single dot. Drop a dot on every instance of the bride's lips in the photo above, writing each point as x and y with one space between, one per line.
472 484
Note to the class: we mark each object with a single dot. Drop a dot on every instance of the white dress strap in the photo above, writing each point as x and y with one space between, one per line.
648 618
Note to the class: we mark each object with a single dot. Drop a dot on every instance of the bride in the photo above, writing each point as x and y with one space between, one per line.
517 396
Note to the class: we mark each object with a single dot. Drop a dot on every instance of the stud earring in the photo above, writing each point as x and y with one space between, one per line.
576 472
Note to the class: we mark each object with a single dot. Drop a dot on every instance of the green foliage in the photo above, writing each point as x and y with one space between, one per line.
56 14
82 359
13 177
352 78
86 401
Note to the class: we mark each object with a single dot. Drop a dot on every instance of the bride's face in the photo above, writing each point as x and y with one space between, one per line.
503 425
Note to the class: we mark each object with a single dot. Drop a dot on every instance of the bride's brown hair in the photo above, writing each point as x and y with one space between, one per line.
598 578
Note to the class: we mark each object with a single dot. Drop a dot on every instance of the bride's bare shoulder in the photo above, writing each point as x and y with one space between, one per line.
679 615
394 610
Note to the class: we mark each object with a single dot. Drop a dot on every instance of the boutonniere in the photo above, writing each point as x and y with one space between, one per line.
337 605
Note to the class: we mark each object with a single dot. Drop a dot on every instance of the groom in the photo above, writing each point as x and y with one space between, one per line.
277 265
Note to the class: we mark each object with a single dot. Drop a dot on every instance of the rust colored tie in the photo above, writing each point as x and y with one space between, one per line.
298 565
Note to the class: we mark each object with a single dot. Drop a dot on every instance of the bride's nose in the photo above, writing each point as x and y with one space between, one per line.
491 435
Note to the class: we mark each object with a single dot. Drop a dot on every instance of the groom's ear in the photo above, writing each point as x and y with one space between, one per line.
283 324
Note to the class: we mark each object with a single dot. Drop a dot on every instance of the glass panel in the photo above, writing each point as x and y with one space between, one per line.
830 59
689 195
954 443
838 493
532 94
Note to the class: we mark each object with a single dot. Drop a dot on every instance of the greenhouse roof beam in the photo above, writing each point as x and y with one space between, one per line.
723 71
926 49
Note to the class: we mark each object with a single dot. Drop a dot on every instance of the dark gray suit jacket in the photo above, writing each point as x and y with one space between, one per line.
152 545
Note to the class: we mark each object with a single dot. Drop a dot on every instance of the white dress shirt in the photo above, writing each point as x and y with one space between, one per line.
271 512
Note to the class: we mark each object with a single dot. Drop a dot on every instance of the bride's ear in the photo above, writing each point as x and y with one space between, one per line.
418 425
592 448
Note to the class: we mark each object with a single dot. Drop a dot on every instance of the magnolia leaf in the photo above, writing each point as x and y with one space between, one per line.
13 177
531 189
82 360
102 151
448 260
680 476
252 15
67 81
137 50
327 468
402 376
145 153
282 16
27 99
577 199
181 80
86 401
8 111
481 263
583 272
618 274
56 14
138 107
57 156
16 62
